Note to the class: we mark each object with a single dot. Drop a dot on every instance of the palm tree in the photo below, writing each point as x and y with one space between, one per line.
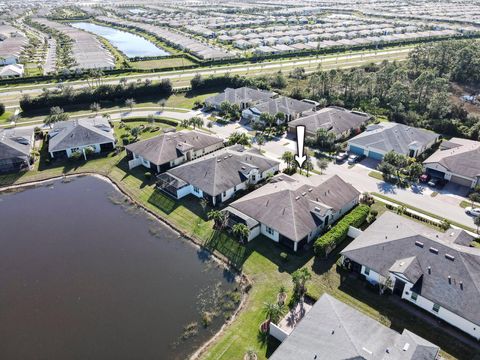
196 121
288 157
185 123
260 141
242 231
282 294
130 103
162 103
476 221
322 165
219 218
95 107
56 114
308 165
299 279
107 117
273 311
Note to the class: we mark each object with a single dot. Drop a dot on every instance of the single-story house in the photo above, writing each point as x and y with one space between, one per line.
457 160
12 71
15 147
79 135
436 271
168 150
342 122
218 176
294 210
333 330
291 108
244 97
379 139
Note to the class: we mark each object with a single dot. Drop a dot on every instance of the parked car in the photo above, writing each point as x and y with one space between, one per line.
341 157
354 158
437 183
472 211
425 178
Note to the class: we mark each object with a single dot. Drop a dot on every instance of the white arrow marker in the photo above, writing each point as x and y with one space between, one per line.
300 158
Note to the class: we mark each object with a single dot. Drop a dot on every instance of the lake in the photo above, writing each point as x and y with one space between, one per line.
130 44
84 274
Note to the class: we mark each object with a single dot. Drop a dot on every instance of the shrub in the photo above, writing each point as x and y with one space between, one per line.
284 256
148 175
2 109
328 241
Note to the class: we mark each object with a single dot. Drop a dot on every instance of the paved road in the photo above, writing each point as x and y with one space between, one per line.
10 96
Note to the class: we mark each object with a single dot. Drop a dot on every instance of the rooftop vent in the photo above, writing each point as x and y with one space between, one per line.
304 193
406 347
317 209
429 269
298 197
309 190
434 250
226 157
218 160
450 257
419 244
461 285
449 279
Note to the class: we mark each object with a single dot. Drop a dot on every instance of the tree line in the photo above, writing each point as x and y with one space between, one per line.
97 92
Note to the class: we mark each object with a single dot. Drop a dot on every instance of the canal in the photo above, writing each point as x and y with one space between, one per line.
130 44
84 274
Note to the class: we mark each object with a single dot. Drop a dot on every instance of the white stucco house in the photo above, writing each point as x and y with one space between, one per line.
438 272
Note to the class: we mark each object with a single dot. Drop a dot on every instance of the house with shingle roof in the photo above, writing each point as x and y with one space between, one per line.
291 108
219 176
15 147
379 139
168 150
457 160
340 121
294 210
438 272
79 135
333 330
244 97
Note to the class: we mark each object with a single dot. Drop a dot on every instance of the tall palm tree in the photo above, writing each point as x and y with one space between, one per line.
242 231
288 157
273 311
299 279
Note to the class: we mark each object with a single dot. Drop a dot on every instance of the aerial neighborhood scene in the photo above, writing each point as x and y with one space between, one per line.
240 180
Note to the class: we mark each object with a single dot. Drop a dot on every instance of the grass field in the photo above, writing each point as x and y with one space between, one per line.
5 116
161 63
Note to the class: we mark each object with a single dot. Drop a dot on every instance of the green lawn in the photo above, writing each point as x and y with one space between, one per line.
376 175
260 261
187 100
161 63
5 116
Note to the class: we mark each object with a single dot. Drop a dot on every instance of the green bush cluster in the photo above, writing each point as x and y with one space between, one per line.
328 241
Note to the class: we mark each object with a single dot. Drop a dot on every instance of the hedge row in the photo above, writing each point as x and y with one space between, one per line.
329 241
101 93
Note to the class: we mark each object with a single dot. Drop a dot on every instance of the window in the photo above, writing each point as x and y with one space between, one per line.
414 296
367 271
235 188
224 193
436 308
269 230
254 178
197 190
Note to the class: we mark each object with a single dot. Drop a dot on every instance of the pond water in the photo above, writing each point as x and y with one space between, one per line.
130 44
86 275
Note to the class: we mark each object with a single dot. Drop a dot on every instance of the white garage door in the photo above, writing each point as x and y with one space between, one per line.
461 181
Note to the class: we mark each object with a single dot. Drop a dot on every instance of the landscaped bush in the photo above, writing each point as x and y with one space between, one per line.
157 120
284 256
328 241
2 109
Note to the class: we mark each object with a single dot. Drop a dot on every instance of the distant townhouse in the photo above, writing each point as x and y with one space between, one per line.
333 330
79 136
12 71
379 139
168 150
436 271
15 148
342 122
291 108
219 176
457 160
244 97
294 210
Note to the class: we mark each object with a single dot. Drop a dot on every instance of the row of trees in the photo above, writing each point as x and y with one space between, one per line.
398 165
415 92
66 95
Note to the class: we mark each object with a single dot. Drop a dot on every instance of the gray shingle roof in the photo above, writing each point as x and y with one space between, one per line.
392 238
221 170
288 204
240 95
459 156
393 137
334 119
283 105
80 132
170 146
332 330
15 143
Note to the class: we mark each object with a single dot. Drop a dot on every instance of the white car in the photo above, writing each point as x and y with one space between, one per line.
472 211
